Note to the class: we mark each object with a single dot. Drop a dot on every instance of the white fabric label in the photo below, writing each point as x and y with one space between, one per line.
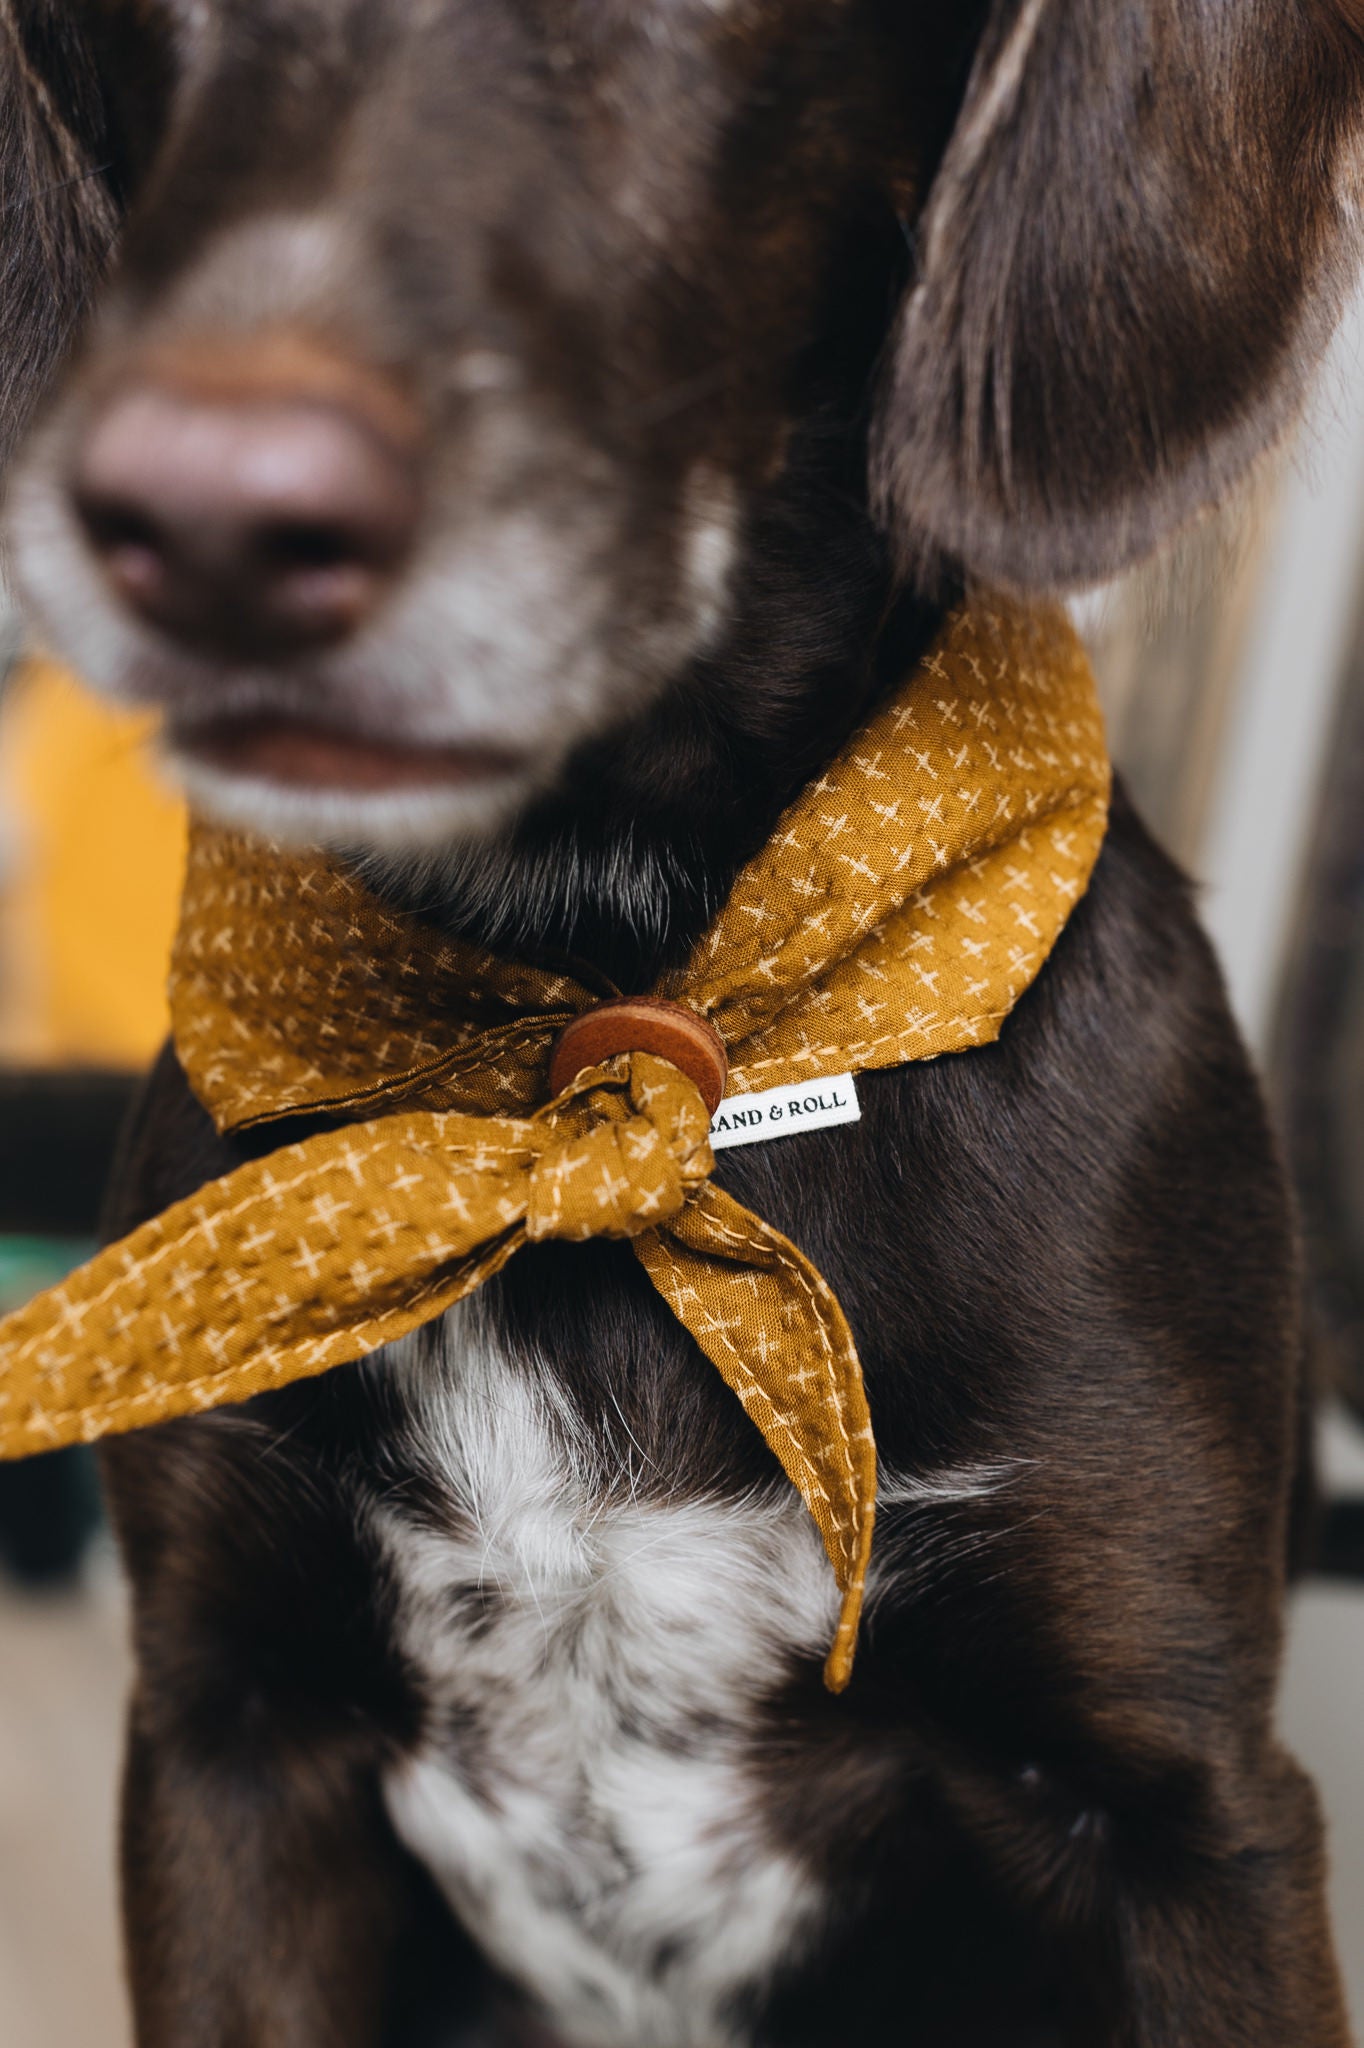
781 1112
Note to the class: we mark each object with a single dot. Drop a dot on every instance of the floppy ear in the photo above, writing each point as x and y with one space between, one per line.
1132 256
57 212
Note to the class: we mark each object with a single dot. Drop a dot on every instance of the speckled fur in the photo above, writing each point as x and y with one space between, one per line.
767 327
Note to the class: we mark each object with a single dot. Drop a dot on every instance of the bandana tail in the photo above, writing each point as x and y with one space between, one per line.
773 1328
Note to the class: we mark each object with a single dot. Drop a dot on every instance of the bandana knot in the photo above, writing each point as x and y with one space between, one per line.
623 1149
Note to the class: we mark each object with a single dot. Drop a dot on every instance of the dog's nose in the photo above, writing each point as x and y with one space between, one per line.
245 520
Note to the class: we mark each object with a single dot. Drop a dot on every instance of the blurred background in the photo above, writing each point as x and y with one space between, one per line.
1234 683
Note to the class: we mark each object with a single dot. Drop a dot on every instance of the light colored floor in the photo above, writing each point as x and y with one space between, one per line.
1323 1715
63 1675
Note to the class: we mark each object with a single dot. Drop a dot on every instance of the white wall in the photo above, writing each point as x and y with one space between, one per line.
1279 726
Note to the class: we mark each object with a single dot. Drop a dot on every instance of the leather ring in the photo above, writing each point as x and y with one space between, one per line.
643 1024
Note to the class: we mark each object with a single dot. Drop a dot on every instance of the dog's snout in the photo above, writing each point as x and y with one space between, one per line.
241 518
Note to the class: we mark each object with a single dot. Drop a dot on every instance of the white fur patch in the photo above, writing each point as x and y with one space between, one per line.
711 545
596 1657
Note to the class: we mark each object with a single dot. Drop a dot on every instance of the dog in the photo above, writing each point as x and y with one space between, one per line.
514 443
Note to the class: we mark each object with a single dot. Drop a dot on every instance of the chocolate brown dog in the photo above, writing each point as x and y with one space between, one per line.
515 441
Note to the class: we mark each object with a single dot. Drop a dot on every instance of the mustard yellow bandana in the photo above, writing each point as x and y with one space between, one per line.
905 902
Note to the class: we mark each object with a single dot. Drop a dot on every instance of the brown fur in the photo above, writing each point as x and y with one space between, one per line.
947 292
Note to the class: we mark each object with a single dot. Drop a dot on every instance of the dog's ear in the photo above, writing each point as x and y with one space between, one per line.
58 211
1130 259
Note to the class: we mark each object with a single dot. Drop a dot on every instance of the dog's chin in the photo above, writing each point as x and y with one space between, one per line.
303 798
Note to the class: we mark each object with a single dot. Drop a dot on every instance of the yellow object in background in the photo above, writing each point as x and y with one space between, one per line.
92 857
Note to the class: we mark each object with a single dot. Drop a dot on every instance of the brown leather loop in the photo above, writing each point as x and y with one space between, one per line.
643 1024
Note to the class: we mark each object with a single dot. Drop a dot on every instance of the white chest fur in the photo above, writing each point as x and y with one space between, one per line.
586 1797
